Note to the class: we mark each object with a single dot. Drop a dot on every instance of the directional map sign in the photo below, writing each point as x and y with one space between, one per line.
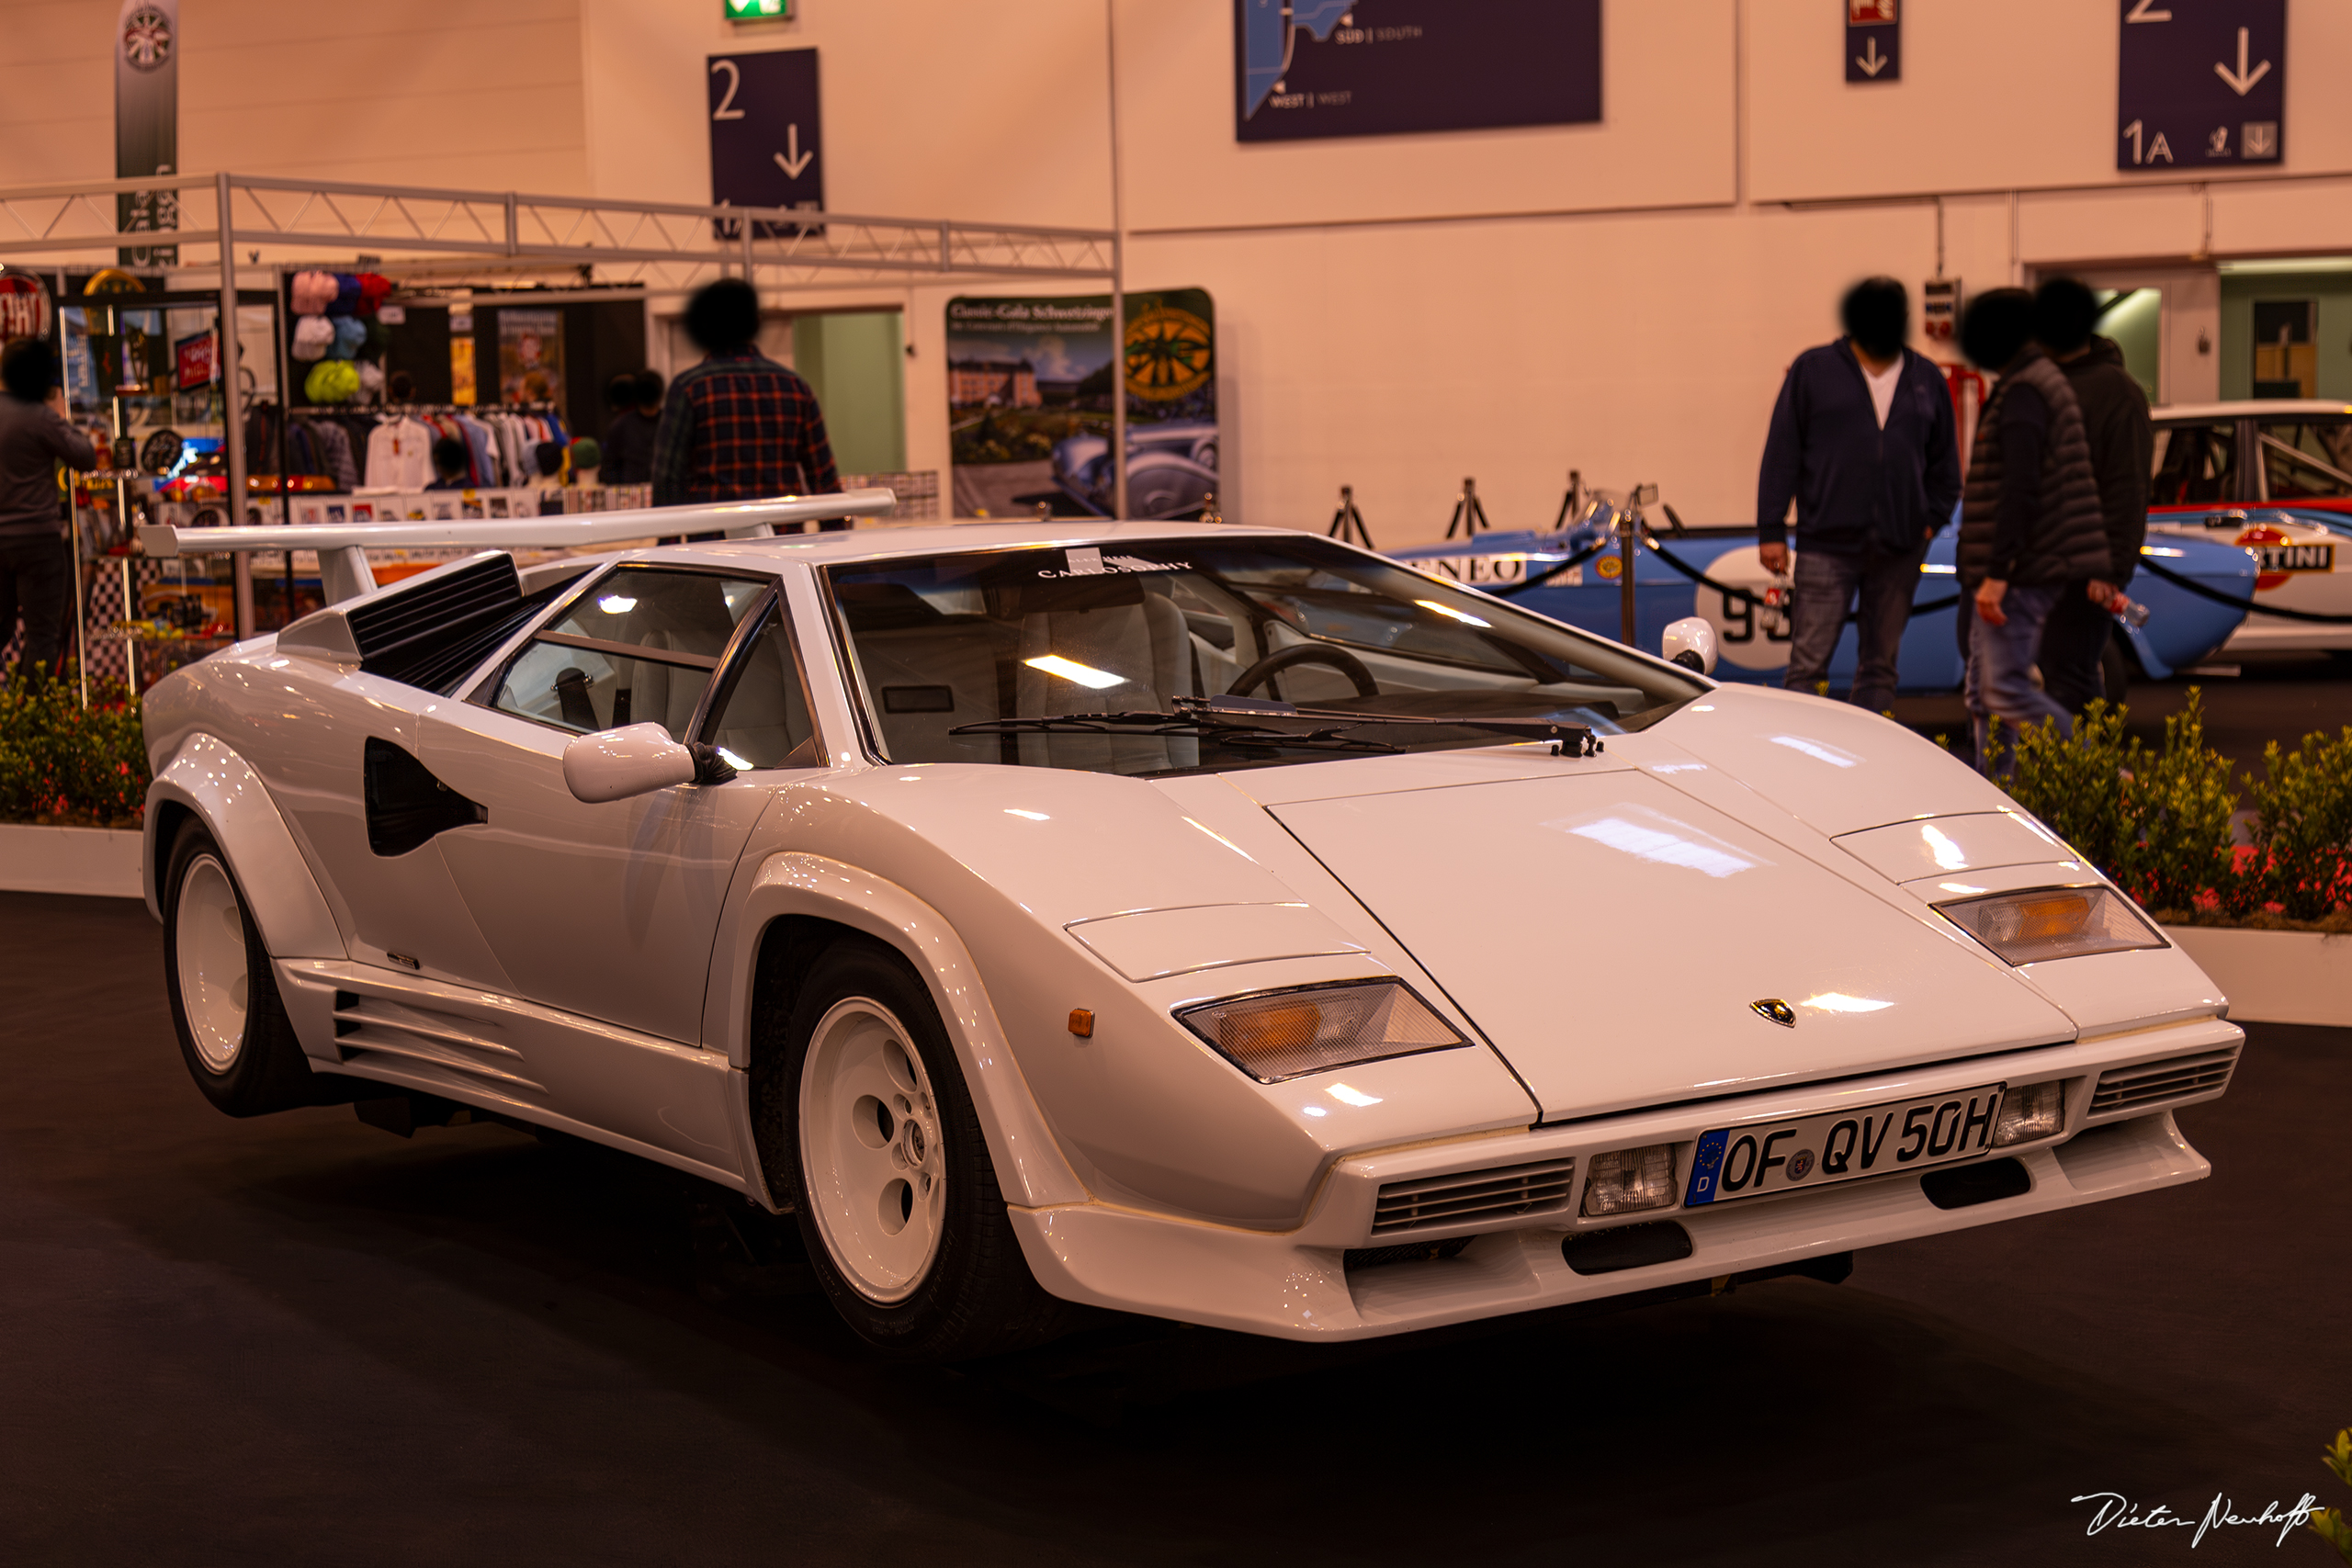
2200 82
1873 41
764 128
1312 68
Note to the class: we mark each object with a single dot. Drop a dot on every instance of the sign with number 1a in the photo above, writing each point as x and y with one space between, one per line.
2200 82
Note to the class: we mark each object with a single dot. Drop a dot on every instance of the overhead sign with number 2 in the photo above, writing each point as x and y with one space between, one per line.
2200 82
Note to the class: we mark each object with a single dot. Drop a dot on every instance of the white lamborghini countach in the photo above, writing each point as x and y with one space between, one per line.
1215 923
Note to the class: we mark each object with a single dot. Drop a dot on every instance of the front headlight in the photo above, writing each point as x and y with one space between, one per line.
1283 1035
2052 923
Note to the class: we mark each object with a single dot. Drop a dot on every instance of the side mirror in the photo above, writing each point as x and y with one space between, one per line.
617 763
1690 642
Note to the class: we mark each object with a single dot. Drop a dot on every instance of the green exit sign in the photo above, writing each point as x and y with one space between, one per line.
756 10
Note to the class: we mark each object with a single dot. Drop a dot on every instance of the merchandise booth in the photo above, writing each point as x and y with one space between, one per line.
370 320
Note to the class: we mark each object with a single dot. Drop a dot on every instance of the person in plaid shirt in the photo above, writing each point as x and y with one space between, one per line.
737 426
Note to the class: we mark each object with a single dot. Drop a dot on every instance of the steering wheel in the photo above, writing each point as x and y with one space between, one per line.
1339 659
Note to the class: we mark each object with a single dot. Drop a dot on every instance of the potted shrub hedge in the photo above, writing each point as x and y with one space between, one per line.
68 774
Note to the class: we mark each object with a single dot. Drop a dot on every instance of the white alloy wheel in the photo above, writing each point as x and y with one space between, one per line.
870 1149
210 937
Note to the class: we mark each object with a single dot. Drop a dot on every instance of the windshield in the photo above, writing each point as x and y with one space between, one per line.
949 648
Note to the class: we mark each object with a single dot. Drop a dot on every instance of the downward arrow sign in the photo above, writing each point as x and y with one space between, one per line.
2242 81
1872 63
799 161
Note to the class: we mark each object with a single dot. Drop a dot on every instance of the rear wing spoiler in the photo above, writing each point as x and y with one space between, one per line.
343 547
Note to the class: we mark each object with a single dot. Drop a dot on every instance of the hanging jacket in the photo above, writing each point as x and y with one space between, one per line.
2040 528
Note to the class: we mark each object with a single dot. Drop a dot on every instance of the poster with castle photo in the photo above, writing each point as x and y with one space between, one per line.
1029 404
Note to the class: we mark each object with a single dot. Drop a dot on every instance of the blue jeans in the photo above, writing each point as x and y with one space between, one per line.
1879 590
2000 673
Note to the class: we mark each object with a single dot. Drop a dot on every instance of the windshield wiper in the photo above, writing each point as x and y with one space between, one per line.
1574 740
1217 730
1242 721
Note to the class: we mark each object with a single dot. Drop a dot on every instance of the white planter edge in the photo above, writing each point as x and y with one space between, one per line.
103 861
2275 977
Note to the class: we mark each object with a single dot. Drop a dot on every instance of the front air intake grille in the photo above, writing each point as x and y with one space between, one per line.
2148 1084
1472 1197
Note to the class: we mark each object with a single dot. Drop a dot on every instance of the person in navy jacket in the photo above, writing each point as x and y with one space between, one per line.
1862 441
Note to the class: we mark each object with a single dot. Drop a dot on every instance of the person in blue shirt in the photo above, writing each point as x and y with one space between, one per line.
1862 441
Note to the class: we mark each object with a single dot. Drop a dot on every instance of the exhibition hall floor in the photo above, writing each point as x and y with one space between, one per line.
301 1339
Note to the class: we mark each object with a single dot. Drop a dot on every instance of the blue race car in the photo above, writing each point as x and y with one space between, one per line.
1573 575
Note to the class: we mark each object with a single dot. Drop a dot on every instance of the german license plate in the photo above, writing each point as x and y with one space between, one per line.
1843 1145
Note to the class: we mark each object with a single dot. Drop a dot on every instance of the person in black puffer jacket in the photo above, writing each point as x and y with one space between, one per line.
2030 520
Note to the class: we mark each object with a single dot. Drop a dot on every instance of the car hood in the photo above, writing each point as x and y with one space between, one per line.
1610 935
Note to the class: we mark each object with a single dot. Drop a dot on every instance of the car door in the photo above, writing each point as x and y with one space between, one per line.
609 910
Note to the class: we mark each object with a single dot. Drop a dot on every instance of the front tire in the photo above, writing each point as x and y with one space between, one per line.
233 1033
865 1121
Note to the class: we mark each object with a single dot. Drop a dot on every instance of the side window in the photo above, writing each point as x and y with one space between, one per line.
763 714
640 644
2195 462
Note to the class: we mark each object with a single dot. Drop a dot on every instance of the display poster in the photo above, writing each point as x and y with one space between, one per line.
147 120
1314 68
1029 404
530 356
23 306
195 362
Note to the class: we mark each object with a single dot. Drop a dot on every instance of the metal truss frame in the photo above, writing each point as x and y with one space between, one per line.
452 236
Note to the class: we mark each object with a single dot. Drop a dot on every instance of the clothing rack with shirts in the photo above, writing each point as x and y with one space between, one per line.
502 442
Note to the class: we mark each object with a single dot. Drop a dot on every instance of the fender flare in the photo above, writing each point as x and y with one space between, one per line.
210 781
1029 1162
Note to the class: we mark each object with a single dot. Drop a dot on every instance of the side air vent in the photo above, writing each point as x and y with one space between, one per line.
1473 1196
407 805
377 1031
2145 1085
432 629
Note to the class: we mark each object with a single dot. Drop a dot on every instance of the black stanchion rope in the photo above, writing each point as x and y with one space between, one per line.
2179 580
1728 592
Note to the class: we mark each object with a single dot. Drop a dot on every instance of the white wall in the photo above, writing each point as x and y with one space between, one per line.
1393 313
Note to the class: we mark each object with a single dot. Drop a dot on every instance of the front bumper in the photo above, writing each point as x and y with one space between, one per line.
1297 1285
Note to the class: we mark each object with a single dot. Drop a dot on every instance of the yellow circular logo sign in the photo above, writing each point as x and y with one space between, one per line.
1168 354
1609 567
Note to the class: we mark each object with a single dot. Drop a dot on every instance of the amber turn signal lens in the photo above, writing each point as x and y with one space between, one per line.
2053 920
2042 923
1280 1035
1264 1031
1082 1022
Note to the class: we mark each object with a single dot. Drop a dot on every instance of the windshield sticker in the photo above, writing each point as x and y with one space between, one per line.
1089 562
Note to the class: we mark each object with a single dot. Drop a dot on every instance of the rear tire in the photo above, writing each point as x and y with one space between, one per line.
865 1122
233 1032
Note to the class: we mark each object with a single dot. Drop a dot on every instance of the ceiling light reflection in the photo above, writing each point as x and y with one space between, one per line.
1032 816
1652 836
1949 855
1071 669
1347 1096
1464 618
1838 1001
